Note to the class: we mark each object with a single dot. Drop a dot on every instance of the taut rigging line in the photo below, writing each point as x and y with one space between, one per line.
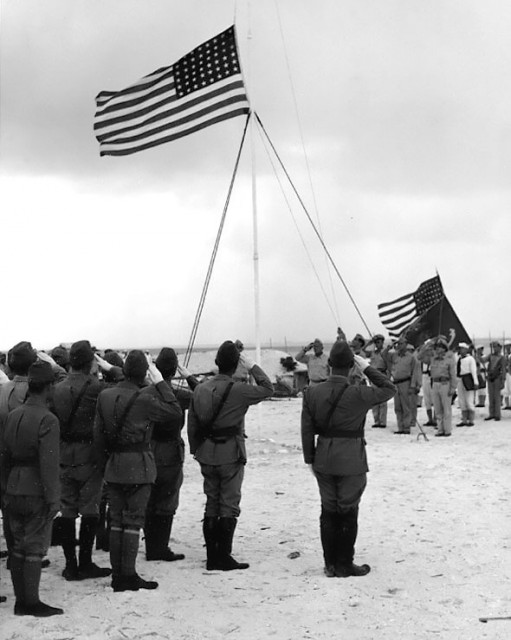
258 120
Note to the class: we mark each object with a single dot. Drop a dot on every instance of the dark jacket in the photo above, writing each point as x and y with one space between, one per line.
206 398
340 447
126 447
29 453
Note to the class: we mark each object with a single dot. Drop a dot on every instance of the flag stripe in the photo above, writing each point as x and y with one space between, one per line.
410 305
161 113
388 304
202 88
105 150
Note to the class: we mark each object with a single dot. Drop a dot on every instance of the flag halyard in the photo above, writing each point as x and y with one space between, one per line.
202 88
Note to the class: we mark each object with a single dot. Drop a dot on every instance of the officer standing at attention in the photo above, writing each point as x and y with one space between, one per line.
443 386
74 402
317 362
29 464
122 434
334 412
217 440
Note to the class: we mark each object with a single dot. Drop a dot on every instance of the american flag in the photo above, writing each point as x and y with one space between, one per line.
201 88
399 314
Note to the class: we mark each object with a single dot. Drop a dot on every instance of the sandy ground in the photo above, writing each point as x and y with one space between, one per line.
435 526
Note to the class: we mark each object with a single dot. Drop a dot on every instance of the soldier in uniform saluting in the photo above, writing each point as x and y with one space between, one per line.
122 433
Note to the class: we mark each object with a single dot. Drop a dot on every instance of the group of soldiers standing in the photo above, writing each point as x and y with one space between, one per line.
96 426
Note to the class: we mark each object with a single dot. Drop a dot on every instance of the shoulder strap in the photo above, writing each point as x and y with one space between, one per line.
76 404
206 427
124 415
334 404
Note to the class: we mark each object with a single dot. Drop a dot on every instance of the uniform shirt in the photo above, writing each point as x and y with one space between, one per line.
378 361
444 367
155 403
206 398
317 366
76 438
343 456
404 367
467 365
31 435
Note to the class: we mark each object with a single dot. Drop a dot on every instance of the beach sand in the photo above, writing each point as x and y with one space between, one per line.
435 526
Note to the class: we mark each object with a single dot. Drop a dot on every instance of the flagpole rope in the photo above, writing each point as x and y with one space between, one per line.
307 253
312 224
205 287
305 155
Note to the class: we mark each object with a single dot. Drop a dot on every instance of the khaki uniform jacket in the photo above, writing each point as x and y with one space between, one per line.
335 454
206 398
155 403
29 453
76 437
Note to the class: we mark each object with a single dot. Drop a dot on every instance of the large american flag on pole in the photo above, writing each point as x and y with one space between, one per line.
202 88
399 314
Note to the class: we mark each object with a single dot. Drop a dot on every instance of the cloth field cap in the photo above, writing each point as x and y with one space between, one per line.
410 347
341 356
440 342
378 336
113 358
20 357
463 345
41 373
80 354
166 362
60 355
136 364
496 343
227 356
479 347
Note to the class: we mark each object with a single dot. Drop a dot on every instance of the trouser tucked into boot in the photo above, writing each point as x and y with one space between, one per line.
210 531
348 529
157 536
68 541
124 559
225 561
329 532
87 568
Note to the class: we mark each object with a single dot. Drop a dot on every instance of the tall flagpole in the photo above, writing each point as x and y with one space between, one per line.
254 208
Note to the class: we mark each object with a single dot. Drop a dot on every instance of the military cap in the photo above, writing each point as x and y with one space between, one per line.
60 355
112 357
341 356
41 373
496 343
227 356
80 354
378 336
166 362
136 364
359 338
440 342
463 345
20 357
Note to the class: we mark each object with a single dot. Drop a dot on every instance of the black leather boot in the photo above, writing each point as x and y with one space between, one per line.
226 528
344 566
68 541
157 536
329 532
87 568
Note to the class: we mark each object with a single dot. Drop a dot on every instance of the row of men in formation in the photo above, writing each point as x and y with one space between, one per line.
64 435
434 370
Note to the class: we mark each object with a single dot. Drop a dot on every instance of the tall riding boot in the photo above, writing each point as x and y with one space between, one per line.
210 531
87 568
346 547
328 526
32 605
470 417
130 580
157 537
68 540
56 532
115 546
101 527
464 419
18 582
226 562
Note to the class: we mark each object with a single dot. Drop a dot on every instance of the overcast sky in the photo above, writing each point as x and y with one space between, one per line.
393 118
